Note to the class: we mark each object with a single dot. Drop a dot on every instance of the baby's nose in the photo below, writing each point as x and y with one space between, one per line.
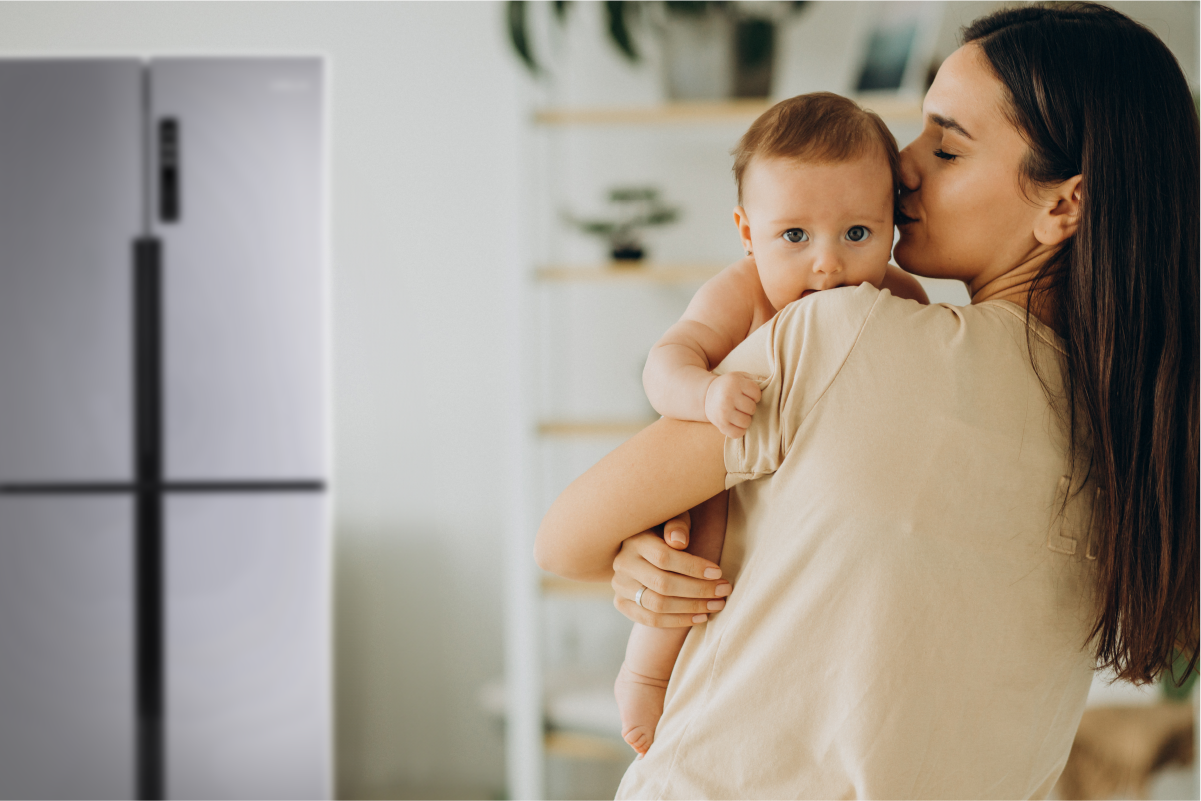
827 263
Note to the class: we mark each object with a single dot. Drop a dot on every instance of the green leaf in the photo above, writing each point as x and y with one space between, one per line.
619 31
519 36
662 216
689 8
626 194
596 227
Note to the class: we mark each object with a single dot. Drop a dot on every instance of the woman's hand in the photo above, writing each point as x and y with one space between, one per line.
681 589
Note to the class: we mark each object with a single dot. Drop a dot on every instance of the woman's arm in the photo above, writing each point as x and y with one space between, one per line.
665 469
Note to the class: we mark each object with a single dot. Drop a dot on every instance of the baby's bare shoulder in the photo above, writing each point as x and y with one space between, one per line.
733 299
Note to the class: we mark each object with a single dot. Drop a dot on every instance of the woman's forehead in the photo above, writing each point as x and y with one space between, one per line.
966 98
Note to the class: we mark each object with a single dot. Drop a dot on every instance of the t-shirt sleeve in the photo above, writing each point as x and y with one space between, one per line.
796 356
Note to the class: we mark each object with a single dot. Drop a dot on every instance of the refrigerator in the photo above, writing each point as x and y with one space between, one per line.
164 528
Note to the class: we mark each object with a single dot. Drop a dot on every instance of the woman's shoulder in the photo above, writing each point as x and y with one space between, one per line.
994 335
881 310
833 325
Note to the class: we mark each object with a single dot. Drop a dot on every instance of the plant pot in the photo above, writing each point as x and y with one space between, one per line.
628 255
698 57
711 57
754 55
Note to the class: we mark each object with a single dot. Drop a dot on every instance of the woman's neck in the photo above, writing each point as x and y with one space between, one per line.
1017 286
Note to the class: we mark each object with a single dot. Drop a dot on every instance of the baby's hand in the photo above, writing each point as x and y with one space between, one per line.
730 401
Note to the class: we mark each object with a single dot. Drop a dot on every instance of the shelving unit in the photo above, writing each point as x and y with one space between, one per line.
548 715
636 273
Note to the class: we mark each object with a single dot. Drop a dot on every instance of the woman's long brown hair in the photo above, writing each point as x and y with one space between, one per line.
1096 94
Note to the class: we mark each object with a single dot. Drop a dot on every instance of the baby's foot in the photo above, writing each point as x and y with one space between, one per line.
640 699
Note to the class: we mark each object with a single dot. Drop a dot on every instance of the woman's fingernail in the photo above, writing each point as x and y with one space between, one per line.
722 589
699 618
676 536
712 572
715 605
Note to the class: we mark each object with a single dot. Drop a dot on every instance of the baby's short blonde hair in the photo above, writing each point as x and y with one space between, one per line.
818 127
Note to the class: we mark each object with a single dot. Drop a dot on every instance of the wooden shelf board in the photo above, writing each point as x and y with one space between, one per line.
591 428
577 745
555 585
638 273
891 107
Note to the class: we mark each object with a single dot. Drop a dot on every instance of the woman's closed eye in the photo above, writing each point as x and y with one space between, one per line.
944 155
858 233
795 235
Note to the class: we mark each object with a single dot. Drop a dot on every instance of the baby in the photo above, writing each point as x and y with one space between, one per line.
817 179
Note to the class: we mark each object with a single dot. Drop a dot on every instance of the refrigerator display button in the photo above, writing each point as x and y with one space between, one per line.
168 161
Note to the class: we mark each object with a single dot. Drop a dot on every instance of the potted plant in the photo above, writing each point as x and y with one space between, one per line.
637 207
712 49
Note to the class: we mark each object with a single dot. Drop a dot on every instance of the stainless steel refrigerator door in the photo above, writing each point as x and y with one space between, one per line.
243 266
66 647
248 646
70 209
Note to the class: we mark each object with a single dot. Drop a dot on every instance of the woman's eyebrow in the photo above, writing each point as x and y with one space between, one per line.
950 125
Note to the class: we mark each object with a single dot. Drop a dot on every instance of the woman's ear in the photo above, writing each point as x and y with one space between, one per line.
1060 217
744 228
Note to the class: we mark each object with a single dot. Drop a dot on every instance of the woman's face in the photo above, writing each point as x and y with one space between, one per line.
960 180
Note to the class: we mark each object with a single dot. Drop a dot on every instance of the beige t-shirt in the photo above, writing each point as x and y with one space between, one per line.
909 610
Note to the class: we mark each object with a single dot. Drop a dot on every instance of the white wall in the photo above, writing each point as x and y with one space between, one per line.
425 124
1174 21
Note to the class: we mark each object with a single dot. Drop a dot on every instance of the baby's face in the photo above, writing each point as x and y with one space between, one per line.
816 226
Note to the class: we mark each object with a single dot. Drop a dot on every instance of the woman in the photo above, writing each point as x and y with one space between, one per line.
943 518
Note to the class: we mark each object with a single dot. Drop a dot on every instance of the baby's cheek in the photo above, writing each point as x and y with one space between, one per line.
775 286
871 272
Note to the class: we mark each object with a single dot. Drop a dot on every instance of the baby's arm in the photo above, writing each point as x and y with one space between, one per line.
904 285
677 378
651 653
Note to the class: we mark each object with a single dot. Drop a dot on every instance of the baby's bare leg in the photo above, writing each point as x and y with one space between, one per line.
651 653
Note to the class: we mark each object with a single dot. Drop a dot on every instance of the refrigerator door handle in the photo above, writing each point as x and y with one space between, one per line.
148 359
150 656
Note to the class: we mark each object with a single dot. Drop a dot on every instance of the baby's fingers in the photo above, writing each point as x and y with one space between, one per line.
750 389
731 430
744 404
738 419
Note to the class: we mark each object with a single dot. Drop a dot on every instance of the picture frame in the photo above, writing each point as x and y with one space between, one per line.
886 48
900 48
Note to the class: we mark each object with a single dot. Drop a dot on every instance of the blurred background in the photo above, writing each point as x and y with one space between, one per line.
521 197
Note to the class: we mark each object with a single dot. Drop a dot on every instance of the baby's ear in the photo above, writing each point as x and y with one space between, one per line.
744 228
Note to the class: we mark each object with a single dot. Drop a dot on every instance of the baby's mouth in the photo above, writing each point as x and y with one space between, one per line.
808 292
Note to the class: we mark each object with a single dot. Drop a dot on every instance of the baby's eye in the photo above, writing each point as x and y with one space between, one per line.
858 233
795 235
